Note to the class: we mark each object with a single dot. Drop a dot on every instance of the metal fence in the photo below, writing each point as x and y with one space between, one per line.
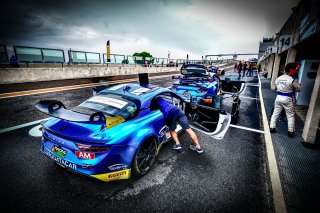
80 57
38 55
46 55
114 59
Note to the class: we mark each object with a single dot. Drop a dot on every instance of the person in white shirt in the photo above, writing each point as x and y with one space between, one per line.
286 86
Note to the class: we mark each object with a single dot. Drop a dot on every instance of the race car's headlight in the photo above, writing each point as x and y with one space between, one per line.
207 100
92 148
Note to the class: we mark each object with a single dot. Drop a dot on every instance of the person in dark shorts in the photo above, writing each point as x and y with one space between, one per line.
244 68
174 115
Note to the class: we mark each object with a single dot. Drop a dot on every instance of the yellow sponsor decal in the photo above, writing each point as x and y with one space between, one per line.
113 121
118 175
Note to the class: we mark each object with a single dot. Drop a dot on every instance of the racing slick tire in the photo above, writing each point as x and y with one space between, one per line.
145 157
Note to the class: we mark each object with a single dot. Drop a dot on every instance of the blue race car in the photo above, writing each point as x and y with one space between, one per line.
198 86
117 132
109 135
106 137
215 69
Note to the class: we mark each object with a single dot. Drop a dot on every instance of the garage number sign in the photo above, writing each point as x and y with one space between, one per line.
285 42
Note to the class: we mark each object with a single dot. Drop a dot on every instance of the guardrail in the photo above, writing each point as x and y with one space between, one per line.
36 55
81 57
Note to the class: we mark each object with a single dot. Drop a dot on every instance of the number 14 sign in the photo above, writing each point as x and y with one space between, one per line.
285 42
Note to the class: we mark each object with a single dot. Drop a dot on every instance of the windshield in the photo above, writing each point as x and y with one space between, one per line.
194 71
110 105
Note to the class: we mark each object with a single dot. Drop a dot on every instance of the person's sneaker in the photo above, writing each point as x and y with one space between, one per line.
177 147
291 134
193 147
273 130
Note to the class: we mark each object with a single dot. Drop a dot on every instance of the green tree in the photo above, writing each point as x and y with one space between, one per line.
143 54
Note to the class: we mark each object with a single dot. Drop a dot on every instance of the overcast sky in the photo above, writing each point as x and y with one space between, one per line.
196 27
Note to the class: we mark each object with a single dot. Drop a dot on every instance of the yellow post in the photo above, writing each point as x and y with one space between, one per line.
108 51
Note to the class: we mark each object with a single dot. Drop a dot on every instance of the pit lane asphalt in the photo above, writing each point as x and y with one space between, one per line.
230 176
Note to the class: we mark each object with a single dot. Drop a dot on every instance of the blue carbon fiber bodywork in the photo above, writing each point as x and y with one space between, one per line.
197 87
120 143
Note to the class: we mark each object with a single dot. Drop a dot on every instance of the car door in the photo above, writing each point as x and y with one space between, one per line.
208 120
205 119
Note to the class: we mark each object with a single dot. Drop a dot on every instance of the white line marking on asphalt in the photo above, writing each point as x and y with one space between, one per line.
21 126
35 131
247 128
253 85
278 200
249 97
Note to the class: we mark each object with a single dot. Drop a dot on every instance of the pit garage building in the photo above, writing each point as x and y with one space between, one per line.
299 41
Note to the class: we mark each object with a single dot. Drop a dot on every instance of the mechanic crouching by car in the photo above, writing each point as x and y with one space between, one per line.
286 86
174 115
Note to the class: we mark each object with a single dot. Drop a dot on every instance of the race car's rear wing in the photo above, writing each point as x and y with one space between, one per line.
58 110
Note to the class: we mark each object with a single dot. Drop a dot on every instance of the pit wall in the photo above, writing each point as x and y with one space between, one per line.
22 75
46 72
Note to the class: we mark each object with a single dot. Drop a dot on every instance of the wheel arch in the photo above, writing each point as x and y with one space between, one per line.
146 138
150 137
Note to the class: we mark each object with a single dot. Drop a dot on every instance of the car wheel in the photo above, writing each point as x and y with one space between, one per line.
145 157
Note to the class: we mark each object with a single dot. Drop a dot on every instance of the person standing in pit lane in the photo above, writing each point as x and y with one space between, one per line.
235 67
259 68
286 86
244 68
250 71
239 69
174 115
